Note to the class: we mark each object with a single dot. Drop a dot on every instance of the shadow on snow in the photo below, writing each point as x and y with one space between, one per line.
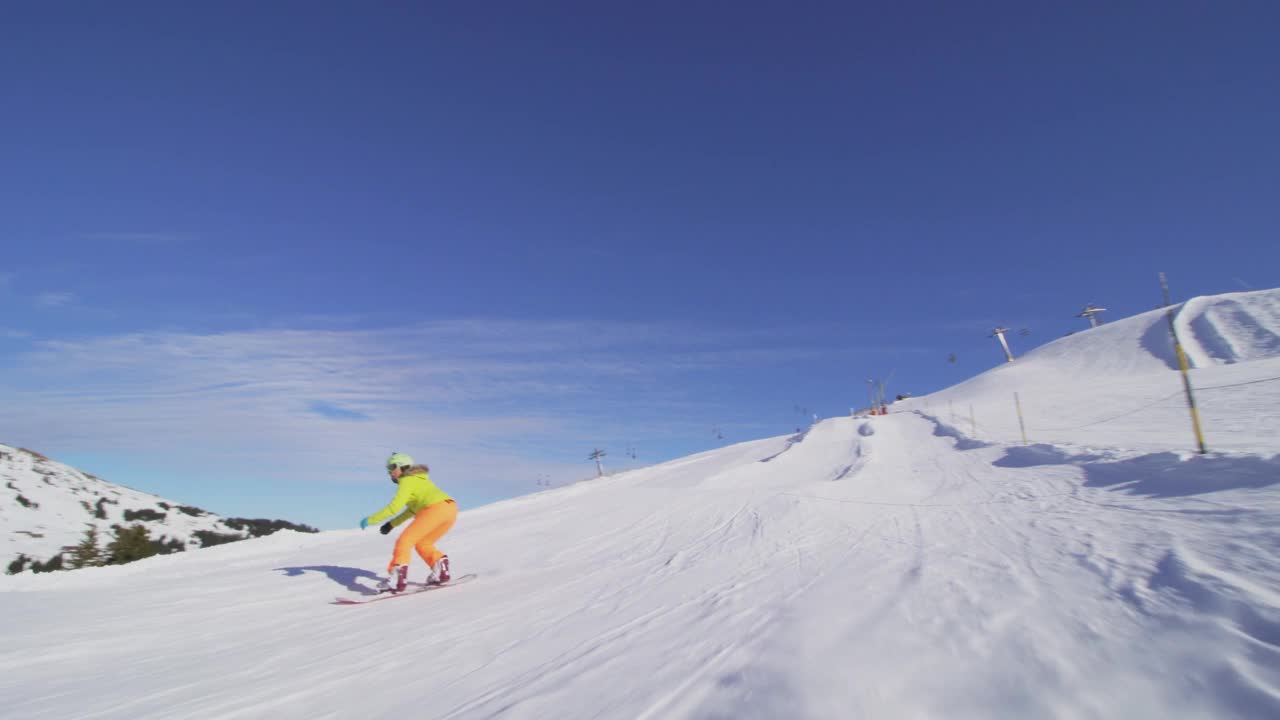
1157 475
347 577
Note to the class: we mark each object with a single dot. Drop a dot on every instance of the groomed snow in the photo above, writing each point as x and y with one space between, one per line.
913 565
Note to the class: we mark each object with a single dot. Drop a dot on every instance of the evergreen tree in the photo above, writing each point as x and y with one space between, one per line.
50 565
87 553
131 543
18 565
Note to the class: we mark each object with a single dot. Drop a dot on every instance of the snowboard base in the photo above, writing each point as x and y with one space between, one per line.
412 589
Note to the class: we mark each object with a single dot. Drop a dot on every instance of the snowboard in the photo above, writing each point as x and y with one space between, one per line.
411 589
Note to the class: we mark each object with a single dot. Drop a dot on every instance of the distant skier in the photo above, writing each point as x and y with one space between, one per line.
433 512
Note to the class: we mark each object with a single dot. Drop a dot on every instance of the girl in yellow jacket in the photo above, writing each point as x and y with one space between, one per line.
433 512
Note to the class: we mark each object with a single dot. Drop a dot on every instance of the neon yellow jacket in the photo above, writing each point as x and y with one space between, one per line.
416 492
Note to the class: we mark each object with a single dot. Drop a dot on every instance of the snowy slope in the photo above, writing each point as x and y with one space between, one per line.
869 568
46 506
1117 385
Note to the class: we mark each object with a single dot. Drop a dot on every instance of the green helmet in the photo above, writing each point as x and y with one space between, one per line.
399 460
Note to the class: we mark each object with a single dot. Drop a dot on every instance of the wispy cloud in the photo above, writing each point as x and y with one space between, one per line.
12 334
501 395
336 412
54 299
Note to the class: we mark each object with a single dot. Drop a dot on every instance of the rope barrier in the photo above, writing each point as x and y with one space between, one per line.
1113 417
1240 384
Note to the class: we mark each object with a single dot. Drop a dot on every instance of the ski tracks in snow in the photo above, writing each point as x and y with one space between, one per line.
1034 585
874 569
932 580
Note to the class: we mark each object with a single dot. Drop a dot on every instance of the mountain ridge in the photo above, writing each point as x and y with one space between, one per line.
47 506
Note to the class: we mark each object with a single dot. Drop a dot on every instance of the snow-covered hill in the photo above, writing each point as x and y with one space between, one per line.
1118 385
888 567
46 506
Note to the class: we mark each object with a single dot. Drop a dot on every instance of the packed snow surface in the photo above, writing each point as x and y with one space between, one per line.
924 564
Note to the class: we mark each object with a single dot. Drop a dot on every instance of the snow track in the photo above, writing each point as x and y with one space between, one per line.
869 568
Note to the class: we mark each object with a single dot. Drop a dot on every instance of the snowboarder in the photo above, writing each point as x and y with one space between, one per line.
432 511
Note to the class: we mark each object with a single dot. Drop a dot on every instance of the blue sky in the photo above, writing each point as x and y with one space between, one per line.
248 251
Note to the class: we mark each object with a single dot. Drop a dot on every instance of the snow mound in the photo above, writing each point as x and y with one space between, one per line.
1238 327
1119 384
1214 330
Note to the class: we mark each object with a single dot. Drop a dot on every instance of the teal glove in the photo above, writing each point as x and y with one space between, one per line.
364 523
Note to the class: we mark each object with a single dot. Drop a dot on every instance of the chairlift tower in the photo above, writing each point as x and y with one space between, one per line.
596 455
1091 312
999 334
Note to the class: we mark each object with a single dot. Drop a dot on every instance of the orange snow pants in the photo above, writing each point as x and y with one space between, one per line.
428 526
